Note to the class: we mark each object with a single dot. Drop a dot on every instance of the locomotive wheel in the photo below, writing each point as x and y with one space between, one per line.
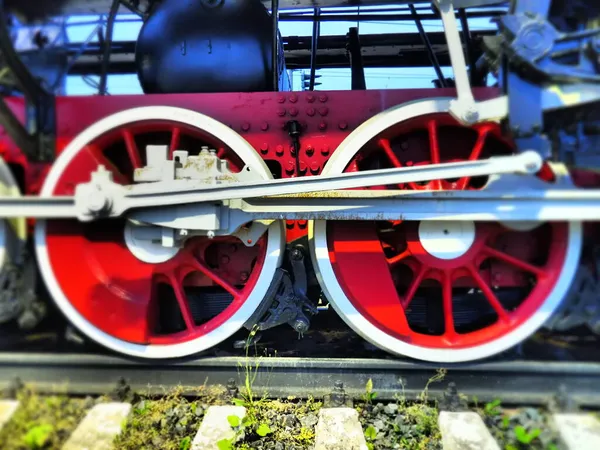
439 290
145 300
13 235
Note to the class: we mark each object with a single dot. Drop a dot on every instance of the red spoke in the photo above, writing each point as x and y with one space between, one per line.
182 301
201 267
434 149
475 152
385 145
525 266
100 159
489 294
132 149
414 285
397 258
175 138
449 330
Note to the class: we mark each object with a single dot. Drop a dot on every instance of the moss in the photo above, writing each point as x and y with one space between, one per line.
169 422
286 421
43 422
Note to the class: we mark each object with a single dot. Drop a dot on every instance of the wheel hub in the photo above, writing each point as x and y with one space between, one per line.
446 240
144 248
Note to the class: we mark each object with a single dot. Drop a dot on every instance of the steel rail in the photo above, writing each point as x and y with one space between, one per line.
516 382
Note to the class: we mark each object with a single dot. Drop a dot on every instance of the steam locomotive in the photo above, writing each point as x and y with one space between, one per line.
444 224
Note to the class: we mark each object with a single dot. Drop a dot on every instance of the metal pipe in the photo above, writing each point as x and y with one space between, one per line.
379 17
110 24
432 57
468 44
275 17
357 68
313 49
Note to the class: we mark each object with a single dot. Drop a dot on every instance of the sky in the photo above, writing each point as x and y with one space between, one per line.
127 28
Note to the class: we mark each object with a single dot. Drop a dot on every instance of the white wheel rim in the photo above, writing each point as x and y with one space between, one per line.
275 238
368 331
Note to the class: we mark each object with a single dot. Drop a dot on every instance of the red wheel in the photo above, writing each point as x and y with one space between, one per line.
439 290
148 300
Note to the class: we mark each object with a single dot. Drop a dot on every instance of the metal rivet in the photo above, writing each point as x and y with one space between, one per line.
279 150
314 167
310 150
280 99
264 126
293 98
280 112
322 126
342 125
322 98
310 98
323 111
245 126
293 112
325 150
264 147
310 112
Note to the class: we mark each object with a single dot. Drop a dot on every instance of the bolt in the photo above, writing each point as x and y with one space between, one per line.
314 167
264 126
302 223
322 98
210 234
323 111
310 98
296 254
245 275
310 112
280 99
300 326
471 115
293 98
279 150
264 147
289 224
291 166
309 150
342 125
323 126
224 259
293 112
281 112
303 166
325 150
245 126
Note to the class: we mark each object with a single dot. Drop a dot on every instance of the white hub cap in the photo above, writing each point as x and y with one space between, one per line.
446 240
146 250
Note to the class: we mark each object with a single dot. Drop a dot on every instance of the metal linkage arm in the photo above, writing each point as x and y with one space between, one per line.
101 197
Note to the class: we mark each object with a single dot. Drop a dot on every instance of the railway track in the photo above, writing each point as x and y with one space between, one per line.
516 382
468 397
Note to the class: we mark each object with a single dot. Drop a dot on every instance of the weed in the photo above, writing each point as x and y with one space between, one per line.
42 421
369 395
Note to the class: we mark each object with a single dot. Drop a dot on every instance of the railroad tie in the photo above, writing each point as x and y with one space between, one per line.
339 429
578 431
216 427
99 428
7 409
465 431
